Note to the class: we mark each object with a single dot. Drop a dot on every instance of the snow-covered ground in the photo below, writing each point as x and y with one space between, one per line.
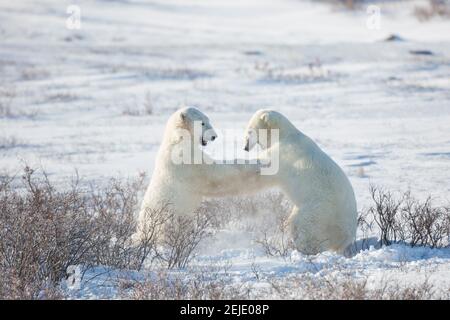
81 99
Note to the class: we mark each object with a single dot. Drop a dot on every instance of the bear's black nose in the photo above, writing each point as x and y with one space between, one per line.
213 138
246 148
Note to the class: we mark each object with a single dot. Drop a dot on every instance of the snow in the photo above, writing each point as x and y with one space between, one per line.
397 264
79 101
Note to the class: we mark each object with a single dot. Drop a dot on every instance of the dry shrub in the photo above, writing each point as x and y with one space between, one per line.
264 216
435 8
148 104
275 238
345 287
9 142
34 73
7 95
43 231
392 218
174 239
209 283
365 225
273 234
310 72
424 225
137 108
131 110
386 212
157 287
113 209
61 96
267 219
233 212
406 219
9 109
348 4
150 233
182 235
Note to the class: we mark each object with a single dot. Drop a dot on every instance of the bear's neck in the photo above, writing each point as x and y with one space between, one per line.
176 140
287 129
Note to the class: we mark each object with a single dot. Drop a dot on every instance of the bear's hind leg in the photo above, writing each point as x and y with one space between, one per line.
303 230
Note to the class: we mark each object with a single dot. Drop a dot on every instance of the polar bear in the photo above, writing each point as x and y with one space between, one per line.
184 174
324 216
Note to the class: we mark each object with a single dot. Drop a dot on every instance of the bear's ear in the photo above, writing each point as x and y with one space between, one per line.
183 116
265 118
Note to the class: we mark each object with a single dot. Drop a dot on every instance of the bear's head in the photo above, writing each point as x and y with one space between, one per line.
259 128
195 122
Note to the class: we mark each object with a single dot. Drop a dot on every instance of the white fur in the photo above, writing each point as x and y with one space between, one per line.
324 215
181 187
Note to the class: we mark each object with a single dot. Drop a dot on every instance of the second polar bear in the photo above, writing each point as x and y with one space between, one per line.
184 174
324 215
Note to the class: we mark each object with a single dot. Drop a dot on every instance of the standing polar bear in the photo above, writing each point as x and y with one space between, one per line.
184 174
324 216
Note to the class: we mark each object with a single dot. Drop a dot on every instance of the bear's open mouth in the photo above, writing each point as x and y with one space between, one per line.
204 142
